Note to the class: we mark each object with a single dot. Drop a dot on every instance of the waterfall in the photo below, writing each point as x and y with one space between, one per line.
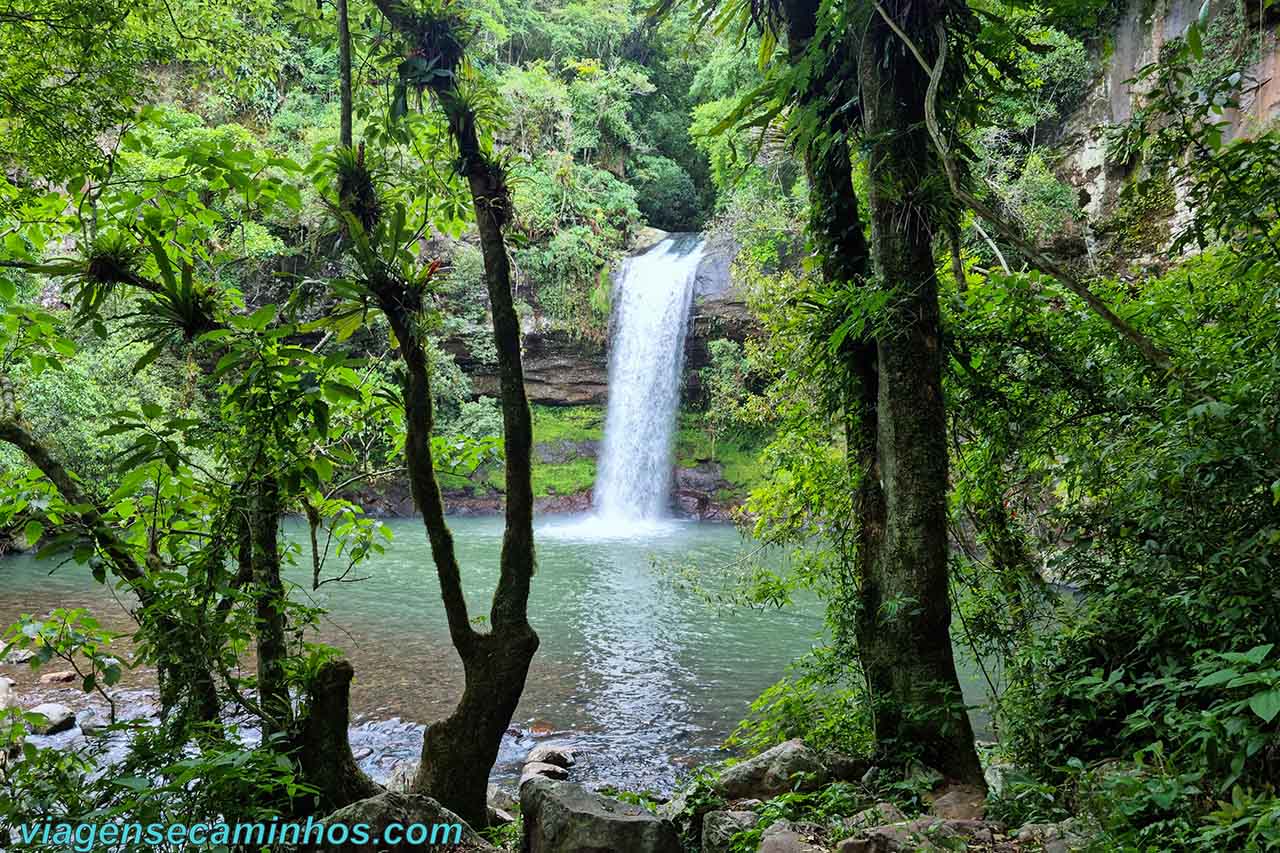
651 299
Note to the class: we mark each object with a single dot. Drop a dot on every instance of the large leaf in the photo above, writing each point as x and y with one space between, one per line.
1266 705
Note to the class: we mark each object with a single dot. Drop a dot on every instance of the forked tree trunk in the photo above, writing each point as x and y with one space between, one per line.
905 635
836 228
459 752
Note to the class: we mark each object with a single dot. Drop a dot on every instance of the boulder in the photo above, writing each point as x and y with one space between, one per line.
703 477
66 676
927 835
541 728
501 798
17 656
789 766
645 239
719 828
500 817
89 722
961 802
1059 837
58 718
845 768
560 756
787 837
453 834
686 812
867 819
539 770
561 817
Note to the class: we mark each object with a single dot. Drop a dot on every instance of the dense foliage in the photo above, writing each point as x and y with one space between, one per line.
213 311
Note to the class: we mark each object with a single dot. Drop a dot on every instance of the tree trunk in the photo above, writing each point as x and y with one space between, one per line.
904 635
344 73
322 745
269 597
458 752
836 228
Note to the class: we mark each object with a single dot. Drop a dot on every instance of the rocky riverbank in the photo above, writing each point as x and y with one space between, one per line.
547 791
736 808
700 492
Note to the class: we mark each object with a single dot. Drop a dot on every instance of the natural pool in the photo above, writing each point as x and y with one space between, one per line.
640 671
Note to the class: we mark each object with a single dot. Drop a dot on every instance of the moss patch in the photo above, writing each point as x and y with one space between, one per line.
567 423
1140 223
738 456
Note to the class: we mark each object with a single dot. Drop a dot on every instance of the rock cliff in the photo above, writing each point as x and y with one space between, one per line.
564 370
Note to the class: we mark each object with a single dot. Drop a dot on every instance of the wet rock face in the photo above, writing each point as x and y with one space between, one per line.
721 315
713 275
565 450
559 369
696 492
561 817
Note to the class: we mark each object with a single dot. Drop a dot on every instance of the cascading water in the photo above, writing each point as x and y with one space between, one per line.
651 302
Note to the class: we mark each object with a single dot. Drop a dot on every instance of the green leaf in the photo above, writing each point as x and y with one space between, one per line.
1222 676
1193 41
1266 705
162 262
341 391
324 468
260 318
400 101
148 357
33 531
1258 654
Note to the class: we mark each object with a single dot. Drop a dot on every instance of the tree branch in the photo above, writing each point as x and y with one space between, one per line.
1154 355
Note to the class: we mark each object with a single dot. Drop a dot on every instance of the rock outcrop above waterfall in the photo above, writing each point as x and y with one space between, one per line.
1081 140
559 369
562 369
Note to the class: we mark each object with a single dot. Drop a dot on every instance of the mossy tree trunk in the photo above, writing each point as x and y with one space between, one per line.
269 600
322 744
459 751
836 227
904 635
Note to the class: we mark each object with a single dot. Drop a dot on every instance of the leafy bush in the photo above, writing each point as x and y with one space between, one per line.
806 706
666 195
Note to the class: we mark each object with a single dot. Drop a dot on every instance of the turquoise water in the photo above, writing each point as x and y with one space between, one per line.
641 672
